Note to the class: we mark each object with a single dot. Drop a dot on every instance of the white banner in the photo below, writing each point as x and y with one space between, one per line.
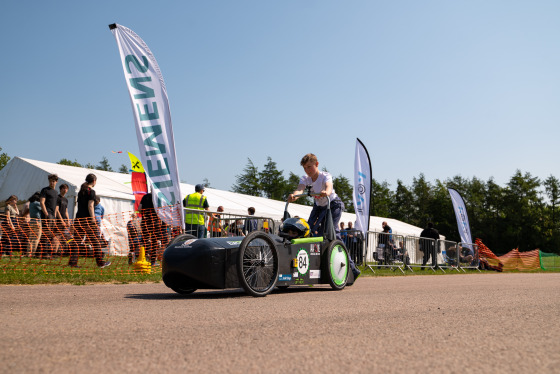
461 215
152 116
362 187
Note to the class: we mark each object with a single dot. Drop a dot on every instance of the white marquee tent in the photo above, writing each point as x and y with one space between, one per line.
23 177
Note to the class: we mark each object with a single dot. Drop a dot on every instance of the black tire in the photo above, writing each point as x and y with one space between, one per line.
257 264
337 265
183 291
181 238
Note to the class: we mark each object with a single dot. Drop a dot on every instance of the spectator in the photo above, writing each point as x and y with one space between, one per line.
85 223
236 228
194 222
214 223
34 223
151 227
403 253
351 235
466 255
99 211
428 245
62 219
385 245
49 198
383 225
10 226
343 234
250 225
134 237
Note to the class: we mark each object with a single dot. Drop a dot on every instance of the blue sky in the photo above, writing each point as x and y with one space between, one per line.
442 88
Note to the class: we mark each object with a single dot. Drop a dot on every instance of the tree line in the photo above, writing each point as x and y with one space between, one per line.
270 183
103 165
522 214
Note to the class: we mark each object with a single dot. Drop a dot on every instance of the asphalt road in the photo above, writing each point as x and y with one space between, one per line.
487 323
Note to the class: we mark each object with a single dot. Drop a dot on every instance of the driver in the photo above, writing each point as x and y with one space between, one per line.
321 183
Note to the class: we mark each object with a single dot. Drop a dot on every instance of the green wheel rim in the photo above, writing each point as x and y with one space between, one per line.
338 265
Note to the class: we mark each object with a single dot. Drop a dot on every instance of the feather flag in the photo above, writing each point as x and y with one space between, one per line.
152 116
139 185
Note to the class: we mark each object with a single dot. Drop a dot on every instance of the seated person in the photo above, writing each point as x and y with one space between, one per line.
451 254
401 253
293 228
384 242
466 255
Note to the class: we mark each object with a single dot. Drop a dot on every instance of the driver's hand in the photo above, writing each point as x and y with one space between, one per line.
324 193
291 198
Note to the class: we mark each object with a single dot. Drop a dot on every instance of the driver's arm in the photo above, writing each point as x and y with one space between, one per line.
299 191
328 189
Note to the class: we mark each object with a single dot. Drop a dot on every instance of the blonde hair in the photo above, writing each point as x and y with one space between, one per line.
308 157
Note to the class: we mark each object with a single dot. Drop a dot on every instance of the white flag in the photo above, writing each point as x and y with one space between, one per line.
461 215
362 187
152 116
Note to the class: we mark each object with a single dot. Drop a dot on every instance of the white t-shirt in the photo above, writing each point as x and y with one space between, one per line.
319 185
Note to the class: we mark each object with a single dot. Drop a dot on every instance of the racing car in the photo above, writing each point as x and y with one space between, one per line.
259 262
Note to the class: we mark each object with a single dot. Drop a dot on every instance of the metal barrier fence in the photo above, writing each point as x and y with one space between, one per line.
447 255
421 252
385 250
469 256
220 224
354 242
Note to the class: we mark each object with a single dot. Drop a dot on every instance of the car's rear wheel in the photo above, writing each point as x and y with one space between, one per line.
181 238
183 291
337 264
257 264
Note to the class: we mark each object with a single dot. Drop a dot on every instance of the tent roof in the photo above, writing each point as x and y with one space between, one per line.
23 177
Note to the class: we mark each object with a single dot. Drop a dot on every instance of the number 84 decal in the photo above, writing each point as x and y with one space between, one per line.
303 262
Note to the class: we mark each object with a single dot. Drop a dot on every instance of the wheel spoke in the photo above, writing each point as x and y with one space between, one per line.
258 265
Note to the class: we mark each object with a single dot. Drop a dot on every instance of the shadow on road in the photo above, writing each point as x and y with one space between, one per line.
218 294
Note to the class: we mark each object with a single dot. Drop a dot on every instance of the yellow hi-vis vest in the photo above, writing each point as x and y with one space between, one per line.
194 201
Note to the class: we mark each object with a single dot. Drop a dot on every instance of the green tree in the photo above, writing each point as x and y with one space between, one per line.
345 191
552 190
123 169
65 161
421 190
206 183
248 183
401 203
291 185
89 165
272 182
4 159
523 212
441 211
381 199
104 165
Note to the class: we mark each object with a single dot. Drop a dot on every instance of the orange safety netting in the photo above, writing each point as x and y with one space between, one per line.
513 260
85 244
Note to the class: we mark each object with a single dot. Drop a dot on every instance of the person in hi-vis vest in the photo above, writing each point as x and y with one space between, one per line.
194 222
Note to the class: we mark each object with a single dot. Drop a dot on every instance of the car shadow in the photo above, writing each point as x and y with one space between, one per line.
220 294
